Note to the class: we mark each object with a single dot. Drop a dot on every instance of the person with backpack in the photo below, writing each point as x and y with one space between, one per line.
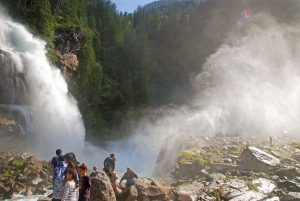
59 179
54 162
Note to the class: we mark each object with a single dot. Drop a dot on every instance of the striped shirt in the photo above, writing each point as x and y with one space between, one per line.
71 192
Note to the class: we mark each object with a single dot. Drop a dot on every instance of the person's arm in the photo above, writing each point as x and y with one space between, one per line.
122 178
66 191
134 174
113 164
87 183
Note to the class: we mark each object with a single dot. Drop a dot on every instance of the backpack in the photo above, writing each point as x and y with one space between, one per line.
59 170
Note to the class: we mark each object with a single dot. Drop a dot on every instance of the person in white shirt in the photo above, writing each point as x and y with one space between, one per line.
71 191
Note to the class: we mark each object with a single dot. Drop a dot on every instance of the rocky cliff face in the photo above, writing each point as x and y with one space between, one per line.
68 43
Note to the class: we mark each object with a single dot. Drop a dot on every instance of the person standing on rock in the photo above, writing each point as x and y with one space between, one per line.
59 179
71 161
130 176
71 190
109 164
85 184
54 162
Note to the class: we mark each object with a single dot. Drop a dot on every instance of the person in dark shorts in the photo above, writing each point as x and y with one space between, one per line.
85 183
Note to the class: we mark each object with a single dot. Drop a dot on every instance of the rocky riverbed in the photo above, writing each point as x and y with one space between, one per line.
239 169
23 174
231 168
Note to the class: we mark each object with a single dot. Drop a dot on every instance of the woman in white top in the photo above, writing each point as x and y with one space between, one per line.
71 191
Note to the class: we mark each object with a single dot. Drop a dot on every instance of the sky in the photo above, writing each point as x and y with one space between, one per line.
129 5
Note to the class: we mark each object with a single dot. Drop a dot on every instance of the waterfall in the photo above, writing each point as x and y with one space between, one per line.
35 95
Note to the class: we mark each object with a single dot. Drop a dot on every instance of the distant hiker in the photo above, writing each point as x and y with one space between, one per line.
85 183
71 190
94 172
54 162
109 164
246 13
59 179
130 176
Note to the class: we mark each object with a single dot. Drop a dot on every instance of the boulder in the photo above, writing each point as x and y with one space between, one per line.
296 157
264 186
101 189
289 185
290 173
291 196
152 190
132 194
249 196
255 159
189 191
222 167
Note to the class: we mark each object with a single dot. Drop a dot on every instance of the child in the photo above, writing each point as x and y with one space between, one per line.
71 192
85 184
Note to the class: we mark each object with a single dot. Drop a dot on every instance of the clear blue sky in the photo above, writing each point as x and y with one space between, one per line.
129 5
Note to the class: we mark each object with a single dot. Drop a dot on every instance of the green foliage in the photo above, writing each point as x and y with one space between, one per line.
296 145
13 167
193 156
217 193
252 186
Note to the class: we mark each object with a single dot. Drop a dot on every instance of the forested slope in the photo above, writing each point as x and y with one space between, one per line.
129 61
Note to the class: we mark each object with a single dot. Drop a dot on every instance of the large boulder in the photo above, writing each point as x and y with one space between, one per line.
291 196
152 190
290 173
101 189
189 191
128 194
291 186
255 159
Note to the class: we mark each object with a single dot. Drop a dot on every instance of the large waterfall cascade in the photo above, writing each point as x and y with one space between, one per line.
34 95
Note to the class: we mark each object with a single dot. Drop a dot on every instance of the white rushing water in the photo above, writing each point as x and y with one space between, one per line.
56 119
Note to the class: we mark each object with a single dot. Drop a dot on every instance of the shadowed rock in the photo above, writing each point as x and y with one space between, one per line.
255 159
101 189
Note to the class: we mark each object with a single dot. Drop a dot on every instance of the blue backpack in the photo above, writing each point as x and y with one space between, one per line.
59 170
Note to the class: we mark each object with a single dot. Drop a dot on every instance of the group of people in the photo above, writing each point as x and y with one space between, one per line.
71 181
